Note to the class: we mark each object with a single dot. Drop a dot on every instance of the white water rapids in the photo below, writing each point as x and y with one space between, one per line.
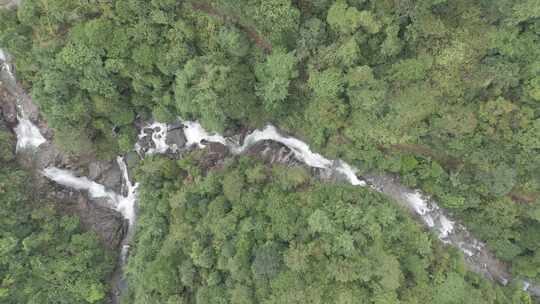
123 204
430 213
196 135
29 137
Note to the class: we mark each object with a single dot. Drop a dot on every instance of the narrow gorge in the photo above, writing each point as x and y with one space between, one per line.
154 138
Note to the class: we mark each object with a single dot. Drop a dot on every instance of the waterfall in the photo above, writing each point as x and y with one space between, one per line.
429 212
433 217
28 135
158 137
68 179
126 203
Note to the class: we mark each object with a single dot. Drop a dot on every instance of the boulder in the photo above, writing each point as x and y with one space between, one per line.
146 143
97 168
274 153
8 107
107 173
176 139
108 224
94 215
215 156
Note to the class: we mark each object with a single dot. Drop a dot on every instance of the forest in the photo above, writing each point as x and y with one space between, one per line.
256 233
444 94
45 256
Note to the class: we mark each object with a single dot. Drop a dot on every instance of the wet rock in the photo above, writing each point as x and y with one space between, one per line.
48 156
108 224
107 173
176 138
176 125
9 4
94 215
215 157
146 143
274 153
8 107
97 168
218 149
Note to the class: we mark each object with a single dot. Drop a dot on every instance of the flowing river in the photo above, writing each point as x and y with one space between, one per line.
477 257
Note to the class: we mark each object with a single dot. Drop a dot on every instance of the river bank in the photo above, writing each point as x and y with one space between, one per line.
158 138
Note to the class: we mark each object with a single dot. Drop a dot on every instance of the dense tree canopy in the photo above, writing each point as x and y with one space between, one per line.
251 233
444 93
45 256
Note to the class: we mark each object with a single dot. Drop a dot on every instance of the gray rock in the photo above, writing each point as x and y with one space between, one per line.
176 139
274 153
175 125
9 4
107 173
94 215
108 224
97 168
146 143
112 178
215 157
8 108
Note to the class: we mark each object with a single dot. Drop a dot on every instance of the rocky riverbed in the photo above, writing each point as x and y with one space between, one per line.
174 140
273 147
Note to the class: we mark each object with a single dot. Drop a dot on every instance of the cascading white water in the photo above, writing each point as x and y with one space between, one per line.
125 204
4 65
158 137
28 135
68 179
196 135
300 149
429 212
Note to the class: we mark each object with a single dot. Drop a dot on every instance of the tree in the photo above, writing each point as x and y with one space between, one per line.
46 257
216 93
343 18
274 77
229 240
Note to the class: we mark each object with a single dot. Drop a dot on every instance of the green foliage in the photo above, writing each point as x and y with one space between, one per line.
343 18
45 257
274 77
228 237
450 84
213 92
234 42
7 143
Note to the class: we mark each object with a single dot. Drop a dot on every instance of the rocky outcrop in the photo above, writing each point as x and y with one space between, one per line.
10 3
8 108
107 173
272 152
215 157
108 224
94 215
176 138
